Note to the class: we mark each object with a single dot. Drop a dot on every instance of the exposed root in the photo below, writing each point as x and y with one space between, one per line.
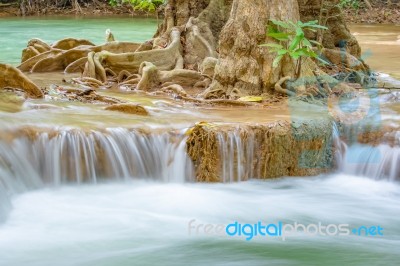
11 77
278 87
123 75
149 74
41 57
100 70
90 68
89 82
163 59
76 66
39 42
111 73
70 43
175 88
133 81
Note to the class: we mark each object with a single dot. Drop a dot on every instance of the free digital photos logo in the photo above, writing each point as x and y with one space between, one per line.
281 230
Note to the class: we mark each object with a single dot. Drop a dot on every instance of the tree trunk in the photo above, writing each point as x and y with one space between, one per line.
201 22
245 68
329 14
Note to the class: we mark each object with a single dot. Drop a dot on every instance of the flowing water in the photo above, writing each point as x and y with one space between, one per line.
82 186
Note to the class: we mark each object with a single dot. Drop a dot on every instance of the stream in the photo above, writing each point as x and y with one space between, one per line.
63 203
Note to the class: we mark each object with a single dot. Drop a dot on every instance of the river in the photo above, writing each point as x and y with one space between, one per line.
61 204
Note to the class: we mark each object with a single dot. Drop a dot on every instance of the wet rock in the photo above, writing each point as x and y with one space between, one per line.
128 109
11 101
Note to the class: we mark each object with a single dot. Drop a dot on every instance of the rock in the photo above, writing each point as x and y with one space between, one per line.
129 109
11 101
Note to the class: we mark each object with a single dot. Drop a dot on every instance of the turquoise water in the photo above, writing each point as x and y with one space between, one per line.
15 33
147 223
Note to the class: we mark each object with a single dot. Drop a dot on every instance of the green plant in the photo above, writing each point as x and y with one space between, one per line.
292 41
144 5
350 3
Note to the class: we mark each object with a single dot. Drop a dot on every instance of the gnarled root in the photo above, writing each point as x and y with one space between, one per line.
164 59
70 43
89 82
152 77
149 74
175 88
280 89
11 77
76 66
64 54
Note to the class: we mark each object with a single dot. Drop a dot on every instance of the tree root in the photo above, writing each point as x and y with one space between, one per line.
89 82
76 66
164 59
70 43
11 77
278 87
175 88
149 74
61 56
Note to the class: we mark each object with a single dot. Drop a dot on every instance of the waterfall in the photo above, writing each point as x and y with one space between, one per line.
381 162
74 156
236 156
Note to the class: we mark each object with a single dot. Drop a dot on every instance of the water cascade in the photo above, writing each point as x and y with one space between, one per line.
31 161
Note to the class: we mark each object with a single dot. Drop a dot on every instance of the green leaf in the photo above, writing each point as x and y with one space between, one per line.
280 23
272 45
306 43
280 36
282 52
299 32
310 23
295 43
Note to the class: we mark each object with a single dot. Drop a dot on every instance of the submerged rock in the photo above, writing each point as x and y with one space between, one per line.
128 109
